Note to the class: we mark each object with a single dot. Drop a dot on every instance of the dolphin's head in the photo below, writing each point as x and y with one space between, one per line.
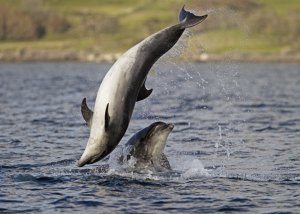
104 136
156 138
96 149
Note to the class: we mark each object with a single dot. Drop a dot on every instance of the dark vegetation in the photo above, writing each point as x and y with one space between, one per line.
30 24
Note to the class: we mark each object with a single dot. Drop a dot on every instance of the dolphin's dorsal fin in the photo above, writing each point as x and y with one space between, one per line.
143 93
86 112
107 118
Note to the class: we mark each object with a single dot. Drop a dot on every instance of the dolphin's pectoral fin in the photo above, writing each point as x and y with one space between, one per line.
107 118
143 93
164 162
188 19
86 112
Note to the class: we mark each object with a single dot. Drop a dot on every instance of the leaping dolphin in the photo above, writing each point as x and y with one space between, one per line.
123 86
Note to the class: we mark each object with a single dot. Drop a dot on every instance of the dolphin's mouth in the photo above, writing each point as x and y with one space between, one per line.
91 159
81 163
168 126
171 125
88 160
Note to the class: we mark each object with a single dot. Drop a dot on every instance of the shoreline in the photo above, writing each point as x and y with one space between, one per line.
31 55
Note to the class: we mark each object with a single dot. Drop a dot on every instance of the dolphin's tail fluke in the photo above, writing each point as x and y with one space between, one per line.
188 19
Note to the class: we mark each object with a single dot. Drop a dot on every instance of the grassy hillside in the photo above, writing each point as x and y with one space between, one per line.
112 26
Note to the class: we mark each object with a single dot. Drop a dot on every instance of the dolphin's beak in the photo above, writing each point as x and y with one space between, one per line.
88 160
82 161
171 126
89 156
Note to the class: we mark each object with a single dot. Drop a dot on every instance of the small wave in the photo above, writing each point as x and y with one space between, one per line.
240 200
276 129
203 107
33 166
256 177
194 153
265 105
267 128
18 166
60 162
10 201
14 211
61 200
38 179
292 122
90 203
227 208
45 121
128 178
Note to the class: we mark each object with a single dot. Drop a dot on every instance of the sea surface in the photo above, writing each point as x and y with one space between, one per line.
235 146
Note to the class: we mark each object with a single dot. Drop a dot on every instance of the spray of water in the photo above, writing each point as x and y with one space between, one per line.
226 74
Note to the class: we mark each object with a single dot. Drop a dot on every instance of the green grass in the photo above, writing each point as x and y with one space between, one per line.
66 44
281 6
138 19
232 41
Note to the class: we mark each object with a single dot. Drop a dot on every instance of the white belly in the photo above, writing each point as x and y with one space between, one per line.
113 90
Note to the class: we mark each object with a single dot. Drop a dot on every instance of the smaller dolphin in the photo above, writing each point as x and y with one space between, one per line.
145 148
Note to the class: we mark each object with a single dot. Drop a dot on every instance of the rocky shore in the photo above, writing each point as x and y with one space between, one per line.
32 55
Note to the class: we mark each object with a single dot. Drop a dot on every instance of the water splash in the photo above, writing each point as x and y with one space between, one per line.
193 169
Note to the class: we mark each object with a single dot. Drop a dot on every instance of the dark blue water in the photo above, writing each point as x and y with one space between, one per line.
235 147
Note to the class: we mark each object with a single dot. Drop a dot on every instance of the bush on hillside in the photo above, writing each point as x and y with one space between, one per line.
16 25
52 22
56 23
284 29
91 23
29 25
292 21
